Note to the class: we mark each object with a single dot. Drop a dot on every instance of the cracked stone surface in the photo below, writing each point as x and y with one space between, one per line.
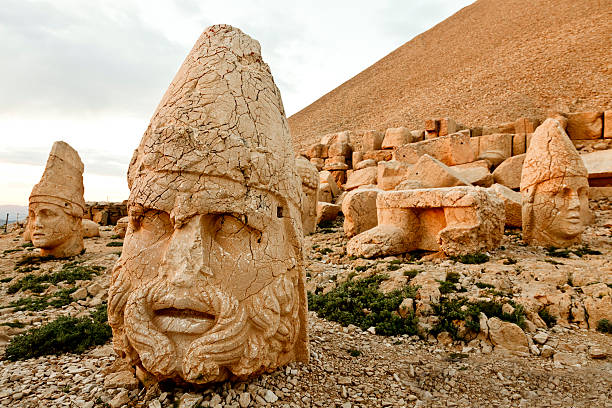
310 187
554 189
210 283
56 205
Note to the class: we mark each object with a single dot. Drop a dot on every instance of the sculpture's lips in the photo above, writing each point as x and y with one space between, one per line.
182 315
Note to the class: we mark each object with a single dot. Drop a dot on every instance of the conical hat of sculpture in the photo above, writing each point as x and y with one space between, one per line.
551 155
62 181
218 135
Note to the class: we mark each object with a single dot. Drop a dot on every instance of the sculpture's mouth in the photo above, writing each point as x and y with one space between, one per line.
182 314
187 321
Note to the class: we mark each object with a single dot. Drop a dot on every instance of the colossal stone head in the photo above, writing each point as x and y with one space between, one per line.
56 204
210 283
554 189
310 188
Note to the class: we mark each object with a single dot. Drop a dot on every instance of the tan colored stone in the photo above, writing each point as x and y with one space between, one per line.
371 140
447 127
432 125
450 150
495 147
600 193
507 335
310 193
359 209
391 173
519 144
475 145
598 309
457 220
509 171
57 206
525 125
121 227
318 162
396 137
378 155
477 176
210 283
599 167
90 229
356 157
326 192
364 163
554 189
340 149
340 177
607 124
360 178
512 204
326 176
475 164
316 150
335 165
337 137
585 125
332 160
327 212
432 173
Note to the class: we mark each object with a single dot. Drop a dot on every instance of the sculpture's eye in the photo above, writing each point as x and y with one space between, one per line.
234 225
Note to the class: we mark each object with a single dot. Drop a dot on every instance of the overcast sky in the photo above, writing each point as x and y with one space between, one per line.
92 72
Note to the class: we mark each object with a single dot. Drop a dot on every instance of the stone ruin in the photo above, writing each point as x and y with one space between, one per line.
56 205
105 213
362 173
210 282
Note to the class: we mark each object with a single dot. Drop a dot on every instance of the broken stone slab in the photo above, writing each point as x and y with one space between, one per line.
316 150
371 140
554 189
327 212
391 173
337 137
477 176
457 220
326 176
317 161
90 229
450 150
429 172
364 163
599 167
340 149
584 125
495 147
447 127
509 171
607 124
378 155
525 125
396 137
360 178
359 209
507 335
512 204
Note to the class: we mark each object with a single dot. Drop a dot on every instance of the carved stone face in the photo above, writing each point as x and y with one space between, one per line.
50 226
207 295
561 209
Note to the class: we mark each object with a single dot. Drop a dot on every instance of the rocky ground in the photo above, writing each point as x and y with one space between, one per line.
566 365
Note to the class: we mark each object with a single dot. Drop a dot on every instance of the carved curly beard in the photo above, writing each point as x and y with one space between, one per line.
246 337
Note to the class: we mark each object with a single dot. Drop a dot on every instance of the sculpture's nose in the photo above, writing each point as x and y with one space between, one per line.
574 201
185 259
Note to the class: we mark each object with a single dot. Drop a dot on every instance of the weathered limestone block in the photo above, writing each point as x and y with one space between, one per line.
360 178
512 204
599 167
507 127
519 144
391 173
316 150
105 213
598 309
338 137
57 206
585 125
509 172
364 163
332 160
327 212
326 176
356 157
554 189
335 165
318 162
431 173
371 140
457 220
340 177
210 283
432 128
90 229
340 149
450 150
495 148
477 176
121 227
396 137
310 197
507 335
359 209
525 125
600 193
447 127
378 155
607 124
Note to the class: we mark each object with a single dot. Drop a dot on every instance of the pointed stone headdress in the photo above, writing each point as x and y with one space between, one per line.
551 155
62 181
219 134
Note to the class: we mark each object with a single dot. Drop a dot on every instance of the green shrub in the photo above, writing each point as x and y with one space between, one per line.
549 319
10 251
585 250
15 324
115 244
36 303
5 280
483 285
33 260
604 326
412 273
69 273
509 261
326 251
63 335
27 245
477 258
359 302
452 277
449 284
393 267
354 352
557 252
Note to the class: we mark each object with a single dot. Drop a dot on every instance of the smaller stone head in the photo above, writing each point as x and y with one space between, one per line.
310 187
57 205
555 189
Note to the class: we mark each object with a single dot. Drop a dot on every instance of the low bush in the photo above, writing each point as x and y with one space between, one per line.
449 285
412 273
483 285
477 258
359 302
36 303
33 260
115 244
549 319
604 326
63 335
70 273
